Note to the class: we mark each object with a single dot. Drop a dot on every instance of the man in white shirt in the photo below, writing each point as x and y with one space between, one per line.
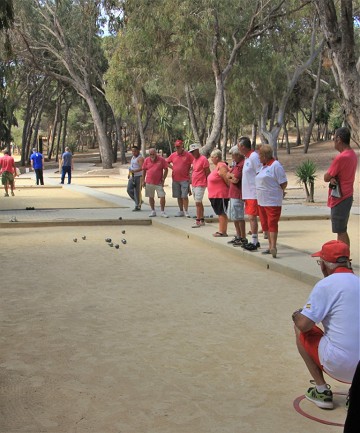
334 301
252 166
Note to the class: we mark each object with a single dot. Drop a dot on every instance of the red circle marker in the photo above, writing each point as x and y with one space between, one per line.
298 409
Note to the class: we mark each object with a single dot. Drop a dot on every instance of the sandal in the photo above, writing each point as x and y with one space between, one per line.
266 252
250 247
220 235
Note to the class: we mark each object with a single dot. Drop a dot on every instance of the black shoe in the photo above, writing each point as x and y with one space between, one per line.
136 209
250 247
233 240
240 242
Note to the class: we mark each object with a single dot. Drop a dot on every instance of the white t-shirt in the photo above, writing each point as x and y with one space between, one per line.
267 182
335 302
252 166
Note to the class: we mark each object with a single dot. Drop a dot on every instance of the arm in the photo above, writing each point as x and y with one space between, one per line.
302 322
232 178
223 171
164 175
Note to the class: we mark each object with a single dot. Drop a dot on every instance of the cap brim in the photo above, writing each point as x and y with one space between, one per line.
318 254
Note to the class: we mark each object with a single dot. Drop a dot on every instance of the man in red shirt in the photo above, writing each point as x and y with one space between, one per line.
8 172
341 173
155 170
180 162
199 173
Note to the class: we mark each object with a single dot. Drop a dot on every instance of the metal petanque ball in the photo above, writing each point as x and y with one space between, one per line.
117 246
75 240
123 241
108 240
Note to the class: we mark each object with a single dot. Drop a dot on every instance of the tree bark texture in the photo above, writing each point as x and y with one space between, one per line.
339 34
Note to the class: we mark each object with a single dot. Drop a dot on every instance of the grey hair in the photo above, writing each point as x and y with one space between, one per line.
235 151
217 153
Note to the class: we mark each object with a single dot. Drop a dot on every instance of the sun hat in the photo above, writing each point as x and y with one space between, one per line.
194 146
334 252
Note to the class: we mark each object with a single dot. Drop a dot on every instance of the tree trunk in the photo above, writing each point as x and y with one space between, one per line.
139 124
308 132
193 122
217 123
104 145
339 34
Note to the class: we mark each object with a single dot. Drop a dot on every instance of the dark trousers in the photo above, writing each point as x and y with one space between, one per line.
352 422
39 176
134 189
66 169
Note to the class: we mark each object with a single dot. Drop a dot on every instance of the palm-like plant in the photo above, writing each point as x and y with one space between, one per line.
306 174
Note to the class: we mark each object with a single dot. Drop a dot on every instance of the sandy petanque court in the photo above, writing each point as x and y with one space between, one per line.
165 334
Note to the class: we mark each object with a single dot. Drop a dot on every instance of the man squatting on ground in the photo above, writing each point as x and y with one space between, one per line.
334 301
200 170
180 163
341 172
155 170
135 178
252 166
8 173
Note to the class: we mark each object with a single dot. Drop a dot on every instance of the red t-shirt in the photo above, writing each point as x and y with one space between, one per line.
199 165
343 168
181 165
7 163
217 188
235 188
154 170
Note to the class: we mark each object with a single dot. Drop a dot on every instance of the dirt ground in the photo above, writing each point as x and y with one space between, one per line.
104 340
164 334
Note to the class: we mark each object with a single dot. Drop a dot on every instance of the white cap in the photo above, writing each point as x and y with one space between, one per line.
194 146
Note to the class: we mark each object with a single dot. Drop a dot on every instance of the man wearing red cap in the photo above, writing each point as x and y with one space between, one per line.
341 174
334 301
180 162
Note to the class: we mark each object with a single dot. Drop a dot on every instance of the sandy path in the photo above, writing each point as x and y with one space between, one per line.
163 335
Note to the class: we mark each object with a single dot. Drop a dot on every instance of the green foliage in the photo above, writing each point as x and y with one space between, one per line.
306 172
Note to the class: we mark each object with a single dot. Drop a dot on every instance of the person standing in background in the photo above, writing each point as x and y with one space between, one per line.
37 164
67 165
135 178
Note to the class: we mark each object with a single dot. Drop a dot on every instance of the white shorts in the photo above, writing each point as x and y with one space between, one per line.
198 193
235 209
150 190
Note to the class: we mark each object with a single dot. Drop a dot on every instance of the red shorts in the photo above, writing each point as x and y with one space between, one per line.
251 207
310 341
269 218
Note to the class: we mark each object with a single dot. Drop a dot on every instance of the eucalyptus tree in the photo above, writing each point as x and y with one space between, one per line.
61 39
340 23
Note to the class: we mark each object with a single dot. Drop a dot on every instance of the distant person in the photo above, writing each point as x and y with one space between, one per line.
218 191
341 173
252 166
236 204
67 165
155 170
135 177
334 301
200 170
180 163
37 164
8 173
270 183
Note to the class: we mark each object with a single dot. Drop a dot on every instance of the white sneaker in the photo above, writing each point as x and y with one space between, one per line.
164 215
187 215
152 214
180 214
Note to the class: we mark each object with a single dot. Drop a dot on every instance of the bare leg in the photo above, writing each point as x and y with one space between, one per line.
185 203
223 222
152 203
344 237
180 204
162 204
237 228
199 210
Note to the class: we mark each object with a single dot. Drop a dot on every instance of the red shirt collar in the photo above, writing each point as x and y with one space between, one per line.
270 162
249 153
342 270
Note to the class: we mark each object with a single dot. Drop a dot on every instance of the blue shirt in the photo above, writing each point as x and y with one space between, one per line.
67 157
37 158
